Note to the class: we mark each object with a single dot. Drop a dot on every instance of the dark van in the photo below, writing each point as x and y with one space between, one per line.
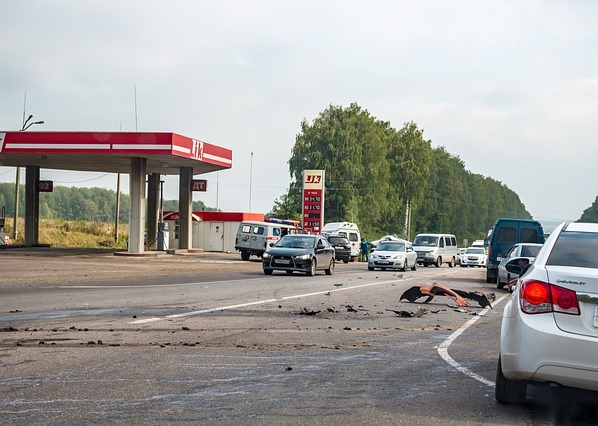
505 233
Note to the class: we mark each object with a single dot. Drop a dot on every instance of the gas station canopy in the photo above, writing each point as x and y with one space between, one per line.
139 154
111 152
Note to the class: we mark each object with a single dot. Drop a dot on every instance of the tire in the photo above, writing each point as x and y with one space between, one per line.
438 262
414 267
289 272
489 277
499 285
404 268
245 255
312 268
330 269
345 260
371 268
508 391
268 271
452 262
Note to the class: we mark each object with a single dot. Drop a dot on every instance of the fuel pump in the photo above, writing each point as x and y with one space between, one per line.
163 237
2 224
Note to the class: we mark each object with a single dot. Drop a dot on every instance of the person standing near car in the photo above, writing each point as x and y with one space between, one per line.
365 248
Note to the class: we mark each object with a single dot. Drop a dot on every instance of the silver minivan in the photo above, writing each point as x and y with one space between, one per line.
436 249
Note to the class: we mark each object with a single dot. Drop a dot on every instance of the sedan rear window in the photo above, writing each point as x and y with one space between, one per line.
575 249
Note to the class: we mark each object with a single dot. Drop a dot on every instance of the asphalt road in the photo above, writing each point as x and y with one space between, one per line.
89 337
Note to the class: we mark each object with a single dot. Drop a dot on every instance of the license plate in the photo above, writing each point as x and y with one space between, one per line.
339 247
282 261
383 262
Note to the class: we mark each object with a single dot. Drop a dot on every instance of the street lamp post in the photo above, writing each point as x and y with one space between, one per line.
26 124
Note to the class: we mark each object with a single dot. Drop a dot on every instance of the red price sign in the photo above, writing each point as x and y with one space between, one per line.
312 210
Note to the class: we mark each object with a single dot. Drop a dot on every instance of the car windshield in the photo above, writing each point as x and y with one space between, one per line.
530 251
475 251
296 241
391 246
425 240
338 240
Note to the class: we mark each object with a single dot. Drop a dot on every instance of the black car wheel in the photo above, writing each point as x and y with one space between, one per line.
345 260
289 272
312 268
438 262
245 255
498 283
330 269
414 267
268 271
509 391
371 268
404 268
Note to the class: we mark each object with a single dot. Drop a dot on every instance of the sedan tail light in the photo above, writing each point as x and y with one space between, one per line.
538 297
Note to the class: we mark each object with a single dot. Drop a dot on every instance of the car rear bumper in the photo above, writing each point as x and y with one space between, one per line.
533 348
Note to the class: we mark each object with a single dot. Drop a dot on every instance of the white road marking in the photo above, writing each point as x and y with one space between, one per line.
261 302
443 348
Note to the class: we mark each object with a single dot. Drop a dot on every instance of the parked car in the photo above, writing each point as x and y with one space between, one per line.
549 330
473 256
460 253
436 249
506 232
374 244
299 253
393 255
527 250
342 248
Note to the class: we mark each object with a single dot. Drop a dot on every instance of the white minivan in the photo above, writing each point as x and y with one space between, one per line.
436 249
348 230
254 237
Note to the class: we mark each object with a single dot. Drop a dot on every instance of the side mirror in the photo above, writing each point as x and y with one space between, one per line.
518 265
320 246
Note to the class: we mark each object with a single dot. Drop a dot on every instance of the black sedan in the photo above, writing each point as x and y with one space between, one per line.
301 253
342 248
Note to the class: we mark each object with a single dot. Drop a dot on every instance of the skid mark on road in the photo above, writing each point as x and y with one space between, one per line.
443 348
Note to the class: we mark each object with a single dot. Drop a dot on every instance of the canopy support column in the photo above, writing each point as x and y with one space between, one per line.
185 207
137 212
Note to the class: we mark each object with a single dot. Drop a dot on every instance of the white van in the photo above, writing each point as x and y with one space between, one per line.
348 230
254 237
436 249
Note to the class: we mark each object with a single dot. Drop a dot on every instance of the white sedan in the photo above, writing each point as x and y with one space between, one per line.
393 255
473 256
526 250
549 331
375 243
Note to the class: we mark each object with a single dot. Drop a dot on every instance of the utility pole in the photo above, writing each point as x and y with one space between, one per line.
26 124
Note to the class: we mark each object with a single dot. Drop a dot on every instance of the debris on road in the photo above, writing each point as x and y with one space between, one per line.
305 311
407 314
438 289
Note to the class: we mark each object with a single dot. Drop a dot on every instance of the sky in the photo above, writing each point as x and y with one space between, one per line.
509 87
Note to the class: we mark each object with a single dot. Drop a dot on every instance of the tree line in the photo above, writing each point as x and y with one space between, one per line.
82 204
378 176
